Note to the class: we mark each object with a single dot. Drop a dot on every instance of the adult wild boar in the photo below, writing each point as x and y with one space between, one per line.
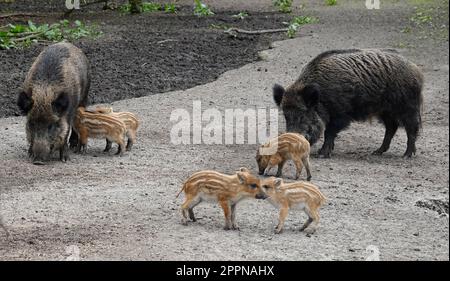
341 86
55 86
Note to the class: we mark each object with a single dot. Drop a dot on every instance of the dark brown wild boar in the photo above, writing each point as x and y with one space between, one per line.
341 86
56 85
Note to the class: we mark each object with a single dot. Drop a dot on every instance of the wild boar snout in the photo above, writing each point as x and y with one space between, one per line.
41 152
261 195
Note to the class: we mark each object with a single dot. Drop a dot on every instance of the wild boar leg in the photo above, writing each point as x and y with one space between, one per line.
314 217
227 212
272 163
82 141
64 152
64 148
331 132
121 147
280 168
234 225
81 146
325 150
282 217
192 215
108 146
131 140
191 208
305 161
412 129
307 223
30 150
73 140
299 168
391 128
185 207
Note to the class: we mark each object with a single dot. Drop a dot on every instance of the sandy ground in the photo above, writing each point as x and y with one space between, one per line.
122 208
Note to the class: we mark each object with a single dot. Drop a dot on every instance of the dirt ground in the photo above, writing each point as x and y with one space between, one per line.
124 208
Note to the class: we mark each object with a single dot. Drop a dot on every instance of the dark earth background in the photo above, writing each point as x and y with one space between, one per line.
141 55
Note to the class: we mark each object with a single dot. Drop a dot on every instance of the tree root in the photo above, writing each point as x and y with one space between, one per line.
19 15
234 31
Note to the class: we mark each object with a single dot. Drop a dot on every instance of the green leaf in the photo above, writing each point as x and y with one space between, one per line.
32 26
64 23
17 29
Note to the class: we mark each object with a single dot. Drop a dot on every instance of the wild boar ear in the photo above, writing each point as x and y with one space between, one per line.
61 104
278 92
245 170
241 177
24 102
260 150
277 183
310 95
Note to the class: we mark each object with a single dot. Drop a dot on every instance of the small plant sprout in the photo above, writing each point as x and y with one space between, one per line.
422 16
170 8
284 6
241 15
301 20
292 29
202 9
331 2
150 7
296 22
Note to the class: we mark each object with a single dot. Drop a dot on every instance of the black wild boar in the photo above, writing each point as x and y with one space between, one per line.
341 86
56 85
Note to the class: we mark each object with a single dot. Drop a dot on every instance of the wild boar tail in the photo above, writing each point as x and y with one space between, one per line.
322 198
179 192
420 99
420 110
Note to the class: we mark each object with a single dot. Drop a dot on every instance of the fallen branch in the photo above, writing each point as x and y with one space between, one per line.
234 31
165 41
18 15
87 4
23 34
29 37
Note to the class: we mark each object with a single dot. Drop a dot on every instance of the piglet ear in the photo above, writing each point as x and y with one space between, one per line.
278 92
24 102
241 177
61 104
243 169
277 183
310 95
